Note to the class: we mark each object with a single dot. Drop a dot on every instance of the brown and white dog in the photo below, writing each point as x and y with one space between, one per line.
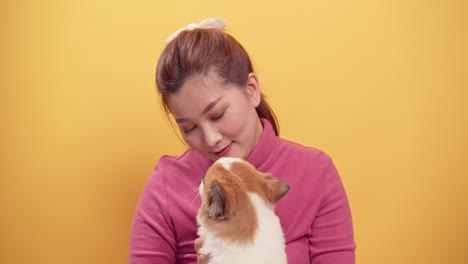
236 218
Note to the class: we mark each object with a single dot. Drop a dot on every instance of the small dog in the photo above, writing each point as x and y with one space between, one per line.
236 218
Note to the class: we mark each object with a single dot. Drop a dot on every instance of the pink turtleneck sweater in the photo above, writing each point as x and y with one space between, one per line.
315 214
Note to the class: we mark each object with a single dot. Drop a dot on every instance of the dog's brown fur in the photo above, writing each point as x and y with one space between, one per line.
226 207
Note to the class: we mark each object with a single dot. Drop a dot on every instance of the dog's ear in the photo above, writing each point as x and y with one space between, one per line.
216 204
275 189
282 189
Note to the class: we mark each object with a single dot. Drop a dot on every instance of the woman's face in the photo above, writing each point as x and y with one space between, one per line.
216 119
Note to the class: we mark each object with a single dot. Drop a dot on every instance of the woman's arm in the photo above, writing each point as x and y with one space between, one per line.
152 238
332 238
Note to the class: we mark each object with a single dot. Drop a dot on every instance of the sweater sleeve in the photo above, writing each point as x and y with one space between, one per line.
332 239
152 238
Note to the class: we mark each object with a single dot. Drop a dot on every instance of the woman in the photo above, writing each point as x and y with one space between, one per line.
207 83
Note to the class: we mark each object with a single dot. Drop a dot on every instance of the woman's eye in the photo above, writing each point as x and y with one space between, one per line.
218 117
186 131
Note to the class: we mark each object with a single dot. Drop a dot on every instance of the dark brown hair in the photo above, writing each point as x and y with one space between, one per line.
200 51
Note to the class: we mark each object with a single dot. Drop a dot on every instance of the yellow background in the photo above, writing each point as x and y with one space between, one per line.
379 85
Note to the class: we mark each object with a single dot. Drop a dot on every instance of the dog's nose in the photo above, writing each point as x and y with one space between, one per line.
202 181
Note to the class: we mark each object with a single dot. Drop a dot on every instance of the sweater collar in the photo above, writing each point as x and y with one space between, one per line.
262 154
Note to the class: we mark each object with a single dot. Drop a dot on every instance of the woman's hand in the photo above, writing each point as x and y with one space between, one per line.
201 259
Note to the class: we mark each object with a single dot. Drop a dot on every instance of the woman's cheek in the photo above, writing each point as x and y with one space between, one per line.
232 126
189 139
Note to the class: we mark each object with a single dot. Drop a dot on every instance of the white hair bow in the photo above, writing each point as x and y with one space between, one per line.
212 22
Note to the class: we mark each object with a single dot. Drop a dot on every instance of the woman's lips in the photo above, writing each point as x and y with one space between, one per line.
223 151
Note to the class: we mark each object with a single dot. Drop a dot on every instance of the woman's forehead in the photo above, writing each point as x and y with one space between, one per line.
204 89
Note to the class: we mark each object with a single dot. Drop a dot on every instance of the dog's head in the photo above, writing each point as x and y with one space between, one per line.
226 186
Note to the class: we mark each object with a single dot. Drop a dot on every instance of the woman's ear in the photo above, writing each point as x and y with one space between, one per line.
253 89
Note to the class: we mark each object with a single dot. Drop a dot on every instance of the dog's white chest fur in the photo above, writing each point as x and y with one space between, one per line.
267 247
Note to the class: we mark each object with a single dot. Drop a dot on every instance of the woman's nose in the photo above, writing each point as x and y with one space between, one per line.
212 137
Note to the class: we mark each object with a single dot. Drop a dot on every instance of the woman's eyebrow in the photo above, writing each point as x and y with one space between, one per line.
205 110
211 105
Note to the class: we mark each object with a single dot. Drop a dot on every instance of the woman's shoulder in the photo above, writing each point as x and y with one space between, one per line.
302 156
175 167
294 148
184 160
166 158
